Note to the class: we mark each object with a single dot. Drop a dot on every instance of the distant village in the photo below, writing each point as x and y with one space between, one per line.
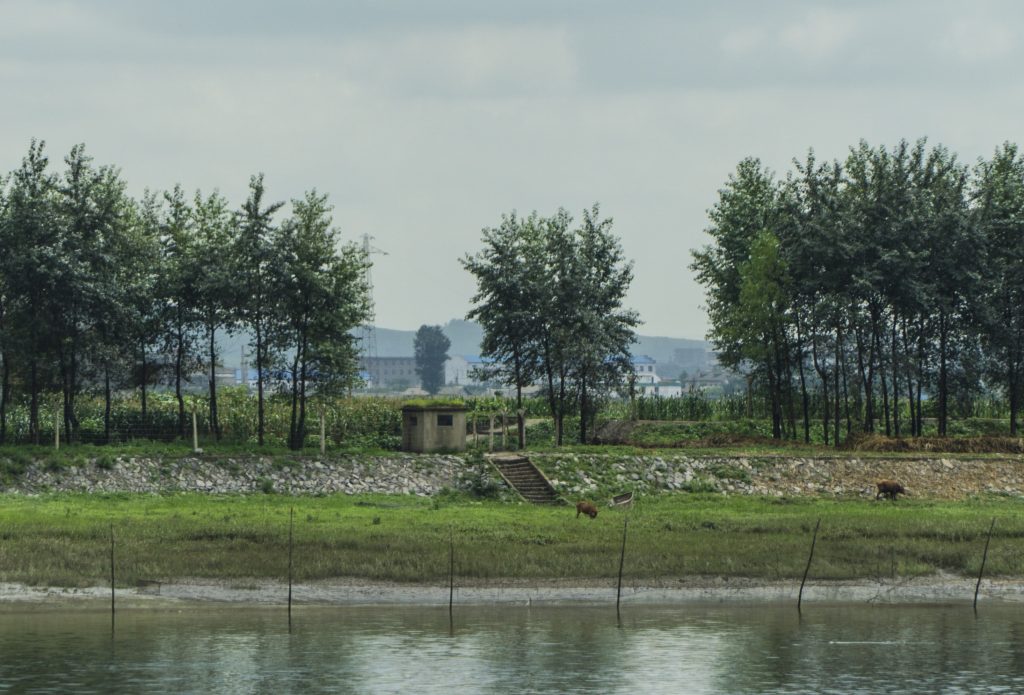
687 369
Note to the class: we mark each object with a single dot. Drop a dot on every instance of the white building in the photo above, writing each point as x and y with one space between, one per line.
463 370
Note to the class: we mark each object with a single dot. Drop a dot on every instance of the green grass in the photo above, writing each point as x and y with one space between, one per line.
63 539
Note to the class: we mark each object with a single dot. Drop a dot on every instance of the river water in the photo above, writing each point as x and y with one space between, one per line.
724 648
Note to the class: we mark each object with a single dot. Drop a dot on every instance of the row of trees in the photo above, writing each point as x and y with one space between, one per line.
854 291
549 299
102 291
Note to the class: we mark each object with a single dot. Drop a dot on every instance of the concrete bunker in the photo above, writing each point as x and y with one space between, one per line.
434 427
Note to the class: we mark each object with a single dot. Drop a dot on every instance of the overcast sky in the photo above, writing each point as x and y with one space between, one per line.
425 121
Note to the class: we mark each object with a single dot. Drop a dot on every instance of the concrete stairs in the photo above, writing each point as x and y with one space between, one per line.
525 478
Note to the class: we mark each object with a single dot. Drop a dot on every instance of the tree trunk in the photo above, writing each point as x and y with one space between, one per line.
143 380
836 391
943 376
214 413
823 377
803 384
259 384
106 404
179 365
5 392
301 430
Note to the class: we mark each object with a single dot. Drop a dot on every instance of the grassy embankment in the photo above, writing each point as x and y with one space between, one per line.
63 540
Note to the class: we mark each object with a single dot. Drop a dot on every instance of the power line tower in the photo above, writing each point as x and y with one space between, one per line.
368 334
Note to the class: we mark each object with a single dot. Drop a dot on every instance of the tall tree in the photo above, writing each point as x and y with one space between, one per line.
998 197
431 349
31 267
508 273
255 299
322 298
211 272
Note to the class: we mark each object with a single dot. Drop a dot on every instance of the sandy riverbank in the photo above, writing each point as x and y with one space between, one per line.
934 589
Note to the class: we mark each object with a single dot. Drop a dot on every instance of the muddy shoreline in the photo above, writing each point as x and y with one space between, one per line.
922 590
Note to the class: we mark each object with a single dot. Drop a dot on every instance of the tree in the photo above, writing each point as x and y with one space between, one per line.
431 350
210 273
550 302
998 196
30 267
178 292
255 299
508 271
322 297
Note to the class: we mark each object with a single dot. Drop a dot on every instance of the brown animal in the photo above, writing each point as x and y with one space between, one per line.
586 508
890 488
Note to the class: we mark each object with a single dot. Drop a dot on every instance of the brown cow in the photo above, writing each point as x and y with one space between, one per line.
586 508
890 488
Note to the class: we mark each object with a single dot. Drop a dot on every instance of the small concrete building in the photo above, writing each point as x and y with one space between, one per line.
428 428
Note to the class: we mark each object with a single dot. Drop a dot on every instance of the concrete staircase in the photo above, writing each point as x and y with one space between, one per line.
525 478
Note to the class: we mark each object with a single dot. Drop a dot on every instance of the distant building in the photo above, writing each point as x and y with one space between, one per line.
465 370
644 369
384 372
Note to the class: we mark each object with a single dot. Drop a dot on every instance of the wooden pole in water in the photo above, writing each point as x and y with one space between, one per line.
984 557
451 574
111 577
800 596
622 562
291 524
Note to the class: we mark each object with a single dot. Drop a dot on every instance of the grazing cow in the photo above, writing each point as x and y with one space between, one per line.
586 508
890 488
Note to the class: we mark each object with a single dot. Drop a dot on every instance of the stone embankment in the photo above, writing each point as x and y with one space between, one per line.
399 474
573 475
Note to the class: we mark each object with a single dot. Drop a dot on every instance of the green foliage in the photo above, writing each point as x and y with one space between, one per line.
431 348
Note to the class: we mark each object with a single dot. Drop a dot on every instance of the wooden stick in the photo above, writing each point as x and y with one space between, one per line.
291 524
451 574
622 562
800 596
984 557
111 578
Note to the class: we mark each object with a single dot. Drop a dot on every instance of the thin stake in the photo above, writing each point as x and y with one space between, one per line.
800 597
291 524
451 574
195 434
984 557
56 432
622 562
111 577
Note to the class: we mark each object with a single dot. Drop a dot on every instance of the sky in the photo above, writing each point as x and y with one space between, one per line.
426 121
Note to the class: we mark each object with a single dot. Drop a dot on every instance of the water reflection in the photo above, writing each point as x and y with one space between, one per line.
692 649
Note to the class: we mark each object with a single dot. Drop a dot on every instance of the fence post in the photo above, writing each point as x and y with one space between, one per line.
504 431
195 435
56 431
490 433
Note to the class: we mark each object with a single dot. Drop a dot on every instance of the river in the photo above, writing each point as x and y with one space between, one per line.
723 648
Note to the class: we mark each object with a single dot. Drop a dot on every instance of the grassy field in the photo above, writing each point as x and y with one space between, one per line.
63 540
